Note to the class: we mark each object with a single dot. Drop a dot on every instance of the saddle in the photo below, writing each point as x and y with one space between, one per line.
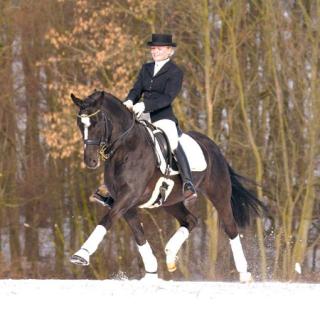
166 161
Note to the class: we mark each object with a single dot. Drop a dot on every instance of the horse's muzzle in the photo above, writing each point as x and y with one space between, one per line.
92 163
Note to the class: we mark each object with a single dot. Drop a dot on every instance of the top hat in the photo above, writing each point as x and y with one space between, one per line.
161 40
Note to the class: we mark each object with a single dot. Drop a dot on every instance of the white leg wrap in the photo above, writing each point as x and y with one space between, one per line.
93 241
238 255
149 260
175 243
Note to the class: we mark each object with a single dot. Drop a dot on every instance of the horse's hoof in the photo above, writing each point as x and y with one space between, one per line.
81 257
104 201
171 266
245 277
150 277
77 260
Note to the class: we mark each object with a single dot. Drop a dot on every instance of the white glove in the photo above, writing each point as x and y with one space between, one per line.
138 109
129 104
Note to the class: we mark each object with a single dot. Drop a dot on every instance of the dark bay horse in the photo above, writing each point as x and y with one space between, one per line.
131 173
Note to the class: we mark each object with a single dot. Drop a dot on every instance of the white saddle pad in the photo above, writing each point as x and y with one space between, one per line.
192 150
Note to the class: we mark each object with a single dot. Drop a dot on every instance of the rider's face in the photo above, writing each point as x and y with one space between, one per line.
159 53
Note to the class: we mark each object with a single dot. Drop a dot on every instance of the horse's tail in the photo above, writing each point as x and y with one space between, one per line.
243 201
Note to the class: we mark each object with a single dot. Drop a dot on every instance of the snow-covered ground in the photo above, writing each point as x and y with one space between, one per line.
47 295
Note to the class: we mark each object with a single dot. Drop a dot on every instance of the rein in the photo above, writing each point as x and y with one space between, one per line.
106 150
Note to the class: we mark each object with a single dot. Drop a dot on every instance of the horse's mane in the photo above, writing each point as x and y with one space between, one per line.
109 101
112 98
112 101
92 98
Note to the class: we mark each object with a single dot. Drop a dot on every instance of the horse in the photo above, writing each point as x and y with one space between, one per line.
131 173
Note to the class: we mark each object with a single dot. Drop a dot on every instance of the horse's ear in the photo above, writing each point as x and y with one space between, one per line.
77 100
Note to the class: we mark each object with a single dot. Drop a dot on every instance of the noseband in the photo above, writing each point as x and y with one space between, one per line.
106 150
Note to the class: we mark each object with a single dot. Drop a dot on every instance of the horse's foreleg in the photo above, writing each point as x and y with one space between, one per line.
187 221
148 258
82 256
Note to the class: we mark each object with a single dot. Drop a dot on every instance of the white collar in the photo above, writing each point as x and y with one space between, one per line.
161 62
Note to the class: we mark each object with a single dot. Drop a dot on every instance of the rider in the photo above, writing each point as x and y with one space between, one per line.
157 85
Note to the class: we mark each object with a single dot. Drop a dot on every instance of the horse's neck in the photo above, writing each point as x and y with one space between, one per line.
121 119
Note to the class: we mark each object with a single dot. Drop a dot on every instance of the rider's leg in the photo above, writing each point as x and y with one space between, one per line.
170 128
184 168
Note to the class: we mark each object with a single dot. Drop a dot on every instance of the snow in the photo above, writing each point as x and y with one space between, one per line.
154 295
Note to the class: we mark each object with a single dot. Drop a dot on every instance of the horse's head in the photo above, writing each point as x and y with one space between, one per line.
93 126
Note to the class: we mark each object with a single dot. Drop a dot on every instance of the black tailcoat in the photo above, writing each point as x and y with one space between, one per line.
158 91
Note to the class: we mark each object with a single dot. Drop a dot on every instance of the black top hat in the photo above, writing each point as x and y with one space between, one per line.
161 40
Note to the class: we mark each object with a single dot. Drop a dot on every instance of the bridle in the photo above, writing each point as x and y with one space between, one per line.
106 149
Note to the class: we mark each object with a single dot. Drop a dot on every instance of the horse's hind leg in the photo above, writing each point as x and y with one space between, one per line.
187 222
220 198
148 258
235 243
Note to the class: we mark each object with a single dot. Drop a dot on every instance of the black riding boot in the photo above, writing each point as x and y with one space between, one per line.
189 191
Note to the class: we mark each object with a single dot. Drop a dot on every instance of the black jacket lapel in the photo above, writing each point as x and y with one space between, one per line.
150 68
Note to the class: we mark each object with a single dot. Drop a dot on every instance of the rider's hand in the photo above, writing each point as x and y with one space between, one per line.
129 104
138 109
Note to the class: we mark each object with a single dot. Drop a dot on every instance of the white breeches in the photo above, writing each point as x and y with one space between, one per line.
170 128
